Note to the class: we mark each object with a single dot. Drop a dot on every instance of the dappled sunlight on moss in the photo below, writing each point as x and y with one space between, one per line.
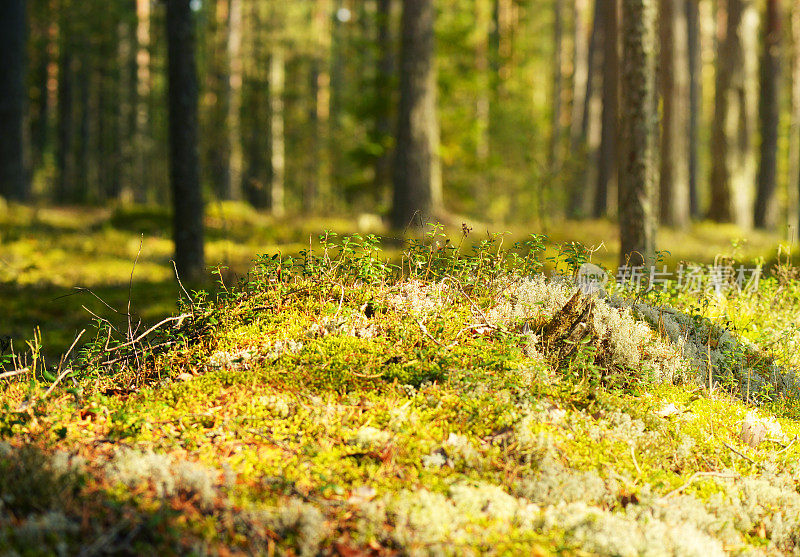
329 404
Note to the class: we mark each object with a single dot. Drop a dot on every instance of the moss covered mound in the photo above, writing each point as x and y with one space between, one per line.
463 409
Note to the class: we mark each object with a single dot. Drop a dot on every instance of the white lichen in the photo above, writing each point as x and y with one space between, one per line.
167 476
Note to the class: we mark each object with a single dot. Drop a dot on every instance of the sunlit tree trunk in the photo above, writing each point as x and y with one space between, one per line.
142 136
674 84
187 197
337 93
255 100
318 186
107 138
501 43
695 101
637 220
794 145
83 179
581 93
277 78
584 193
553 155
65 155
607 159
215 141
580 73
483 22
235 166
765 215
417 174
12 99
382 134
126 97
733 168
43 28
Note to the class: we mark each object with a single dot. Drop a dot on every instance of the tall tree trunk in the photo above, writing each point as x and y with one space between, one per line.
553 156
127 99
216 146
318 188
607 160
588 140
278 158
83 180
337 95
107 138
765 215
483 23
187 197
142 135
39 65
580 73
674 83
732 157
586 137
417 172
501 44
65 155
794 151
695 101
13 183
255 99
636 212
584 46
383 92
235 165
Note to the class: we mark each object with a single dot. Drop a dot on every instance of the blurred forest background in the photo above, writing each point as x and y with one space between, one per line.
298 104
500 111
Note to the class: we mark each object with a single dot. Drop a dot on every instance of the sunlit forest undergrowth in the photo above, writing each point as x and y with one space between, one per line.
440 396
48 256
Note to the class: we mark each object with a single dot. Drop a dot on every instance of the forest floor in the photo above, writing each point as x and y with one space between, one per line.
334 405
59 266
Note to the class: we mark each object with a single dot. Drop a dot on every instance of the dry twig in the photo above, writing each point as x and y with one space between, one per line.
698 475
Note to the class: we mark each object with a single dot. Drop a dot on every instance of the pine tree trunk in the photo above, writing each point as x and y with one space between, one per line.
12 99
142 136
580 74
83 181
765 215
255 101
583 48
65 155
695 101
277 155
127 99
236 163
40 60
216 147
417 174
636 212
586 139
187 197
732 157
483 20
607 158
501 44
124 101
553 156
794 150
318 188
674 83
383 92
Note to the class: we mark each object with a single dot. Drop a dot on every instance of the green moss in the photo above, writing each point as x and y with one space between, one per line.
309 412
